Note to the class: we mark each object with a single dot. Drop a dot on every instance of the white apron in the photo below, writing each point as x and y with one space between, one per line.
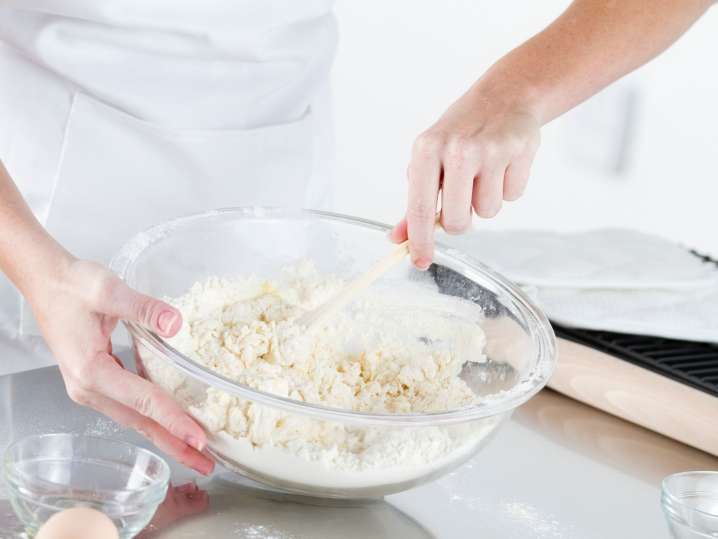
119 114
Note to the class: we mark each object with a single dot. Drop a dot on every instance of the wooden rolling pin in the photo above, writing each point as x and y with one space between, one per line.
638 395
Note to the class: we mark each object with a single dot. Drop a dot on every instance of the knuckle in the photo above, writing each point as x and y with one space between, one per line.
174 424
515 145
420 211
491 149
144 310
459 148
144 403
78 394
102 289
84 376
428 143
151 403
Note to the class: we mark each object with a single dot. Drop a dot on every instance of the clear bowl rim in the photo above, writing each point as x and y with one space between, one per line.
542 332
666 493
16 479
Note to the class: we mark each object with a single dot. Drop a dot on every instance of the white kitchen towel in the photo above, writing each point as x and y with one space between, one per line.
607 258
613 280
675 314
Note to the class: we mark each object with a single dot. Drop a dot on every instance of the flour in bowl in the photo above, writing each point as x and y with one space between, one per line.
380 356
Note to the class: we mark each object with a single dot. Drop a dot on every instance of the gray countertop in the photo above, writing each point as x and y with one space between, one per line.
557 470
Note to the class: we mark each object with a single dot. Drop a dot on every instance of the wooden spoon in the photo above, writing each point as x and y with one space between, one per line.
311 319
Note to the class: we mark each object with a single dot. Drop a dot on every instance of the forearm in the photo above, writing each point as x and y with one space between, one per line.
593 43
77 305
29 256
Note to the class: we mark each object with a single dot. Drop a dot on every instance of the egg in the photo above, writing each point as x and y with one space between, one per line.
78 523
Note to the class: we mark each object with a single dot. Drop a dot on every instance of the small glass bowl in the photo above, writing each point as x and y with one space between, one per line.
690 503
51 472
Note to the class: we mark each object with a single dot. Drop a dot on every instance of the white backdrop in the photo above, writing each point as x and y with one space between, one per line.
643 154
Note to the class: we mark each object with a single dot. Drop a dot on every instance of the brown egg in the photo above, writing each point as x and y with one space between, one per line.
78 523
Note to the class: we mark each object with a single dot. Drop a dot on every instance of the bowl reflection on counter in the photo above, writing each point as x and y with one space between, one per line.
166 260
223 506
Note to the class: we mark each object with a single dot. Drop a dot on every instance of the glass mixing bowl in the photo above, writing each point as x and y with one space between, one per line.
47 473
387 452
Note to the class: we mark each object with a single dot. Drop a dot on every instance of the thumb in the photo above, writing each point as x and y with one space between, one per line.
399 233
152 313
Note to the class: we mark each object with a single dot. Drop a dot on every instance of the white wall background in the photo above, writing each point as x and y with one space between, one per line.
643 154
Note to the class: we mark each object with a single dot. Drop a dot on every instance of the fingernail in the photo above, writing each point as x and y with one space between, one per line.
194 442
422 263
168 321
206 468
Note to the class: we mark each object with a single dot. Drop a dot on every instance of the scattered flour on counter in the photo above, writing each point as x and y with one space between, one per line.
373 358
103 427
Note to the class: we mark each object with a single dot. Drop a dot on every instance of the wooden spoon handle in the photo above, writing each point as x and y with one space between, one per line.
356 287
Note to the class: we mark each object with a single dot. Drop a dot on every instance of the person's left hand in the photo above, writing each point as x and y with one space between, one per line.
77 307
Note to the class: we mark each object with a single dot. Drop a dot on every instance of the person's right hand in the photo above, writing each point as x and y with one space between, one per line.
77 311
478 154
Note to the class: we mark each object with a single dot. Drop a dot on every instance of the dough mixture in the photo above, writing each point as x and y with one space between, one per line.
374 357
